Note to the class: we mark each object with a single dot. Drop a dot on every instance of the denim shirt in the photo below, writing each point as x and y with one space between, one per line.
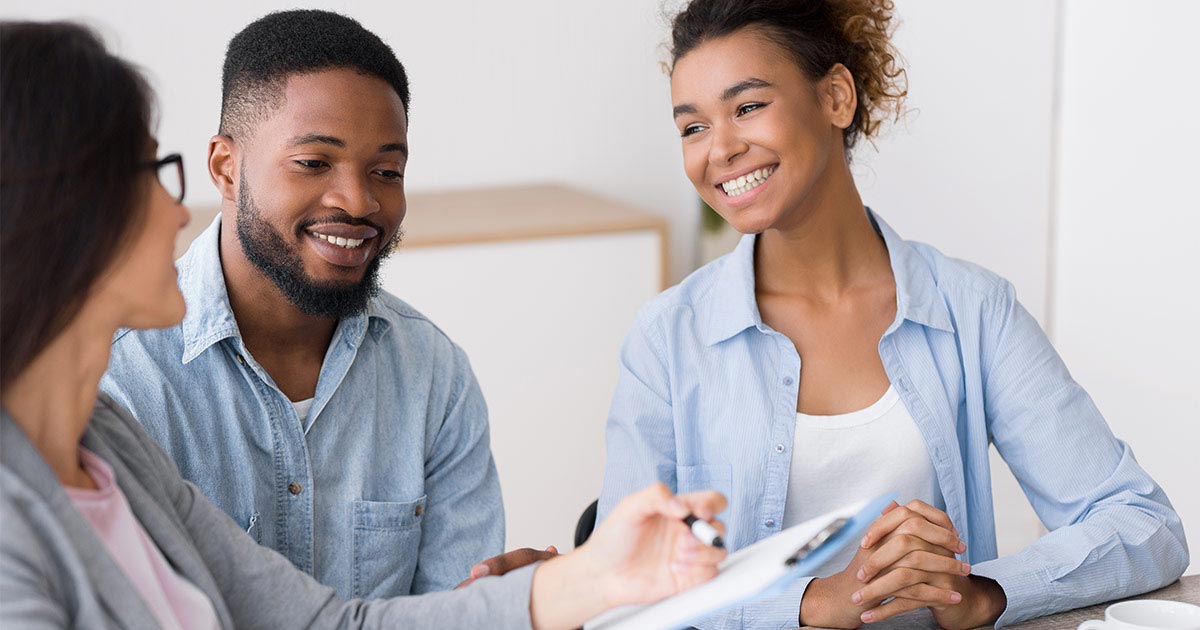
388 488
707 393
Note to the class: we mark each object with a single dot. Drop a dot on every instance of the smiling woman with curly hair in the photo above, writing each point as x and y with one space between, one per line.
827 360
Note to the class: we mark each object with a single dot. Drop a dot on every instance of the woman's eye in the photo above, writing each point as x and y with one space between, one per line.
311 164
749 107
691 129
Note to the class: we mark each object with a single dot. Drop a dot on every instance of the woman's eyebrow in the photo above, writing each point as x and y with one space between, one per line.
730 92
741 86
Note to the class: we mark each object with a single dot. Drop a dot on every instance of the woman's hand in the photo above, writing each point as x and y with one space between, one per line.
914 537
911 562
641 553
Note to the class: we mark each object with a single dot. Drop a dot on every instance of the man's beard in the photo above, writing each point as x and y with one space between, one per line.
268 251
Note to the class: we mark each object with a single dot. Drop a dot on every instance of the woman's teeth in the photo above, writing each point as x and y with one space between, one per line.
746 183
348 243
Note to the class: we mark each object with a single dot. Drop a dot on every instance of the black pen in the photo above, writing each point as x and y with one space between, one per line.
705 532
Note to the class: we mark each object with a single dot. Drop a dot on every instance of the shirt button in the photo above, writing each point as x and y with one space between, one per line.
787 380
778 448
420 509
770 522
241 360
294 488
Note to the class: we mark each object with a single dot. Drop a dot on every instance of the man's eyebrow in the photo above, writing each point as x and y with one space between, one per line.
729 93
686 108
742 86
394 146
316 138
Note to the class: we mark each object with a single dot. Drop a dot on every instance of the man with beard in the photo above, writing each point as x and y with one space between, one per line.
338 425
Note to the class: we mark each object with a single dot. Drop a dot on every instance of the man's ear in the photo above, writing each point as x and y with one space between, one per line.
222 166
839 96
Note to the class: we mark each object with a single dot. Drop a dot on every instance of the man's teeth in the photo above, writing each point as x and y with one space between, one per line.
348 243
747 182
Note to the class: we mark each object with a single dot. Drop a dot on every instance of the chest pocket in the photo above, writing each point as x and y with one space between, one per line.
717 477
387 539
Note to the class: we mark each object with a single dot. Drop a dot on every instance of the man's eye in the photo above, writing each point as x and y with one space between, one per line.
390 174
311 164
691 129
749 107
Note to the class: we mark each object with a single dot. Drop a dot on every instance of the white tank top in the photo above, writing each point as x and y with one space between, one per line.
853 456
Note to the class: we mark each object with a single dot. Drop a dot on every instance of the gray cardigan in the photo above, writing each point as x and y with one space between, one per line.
55 571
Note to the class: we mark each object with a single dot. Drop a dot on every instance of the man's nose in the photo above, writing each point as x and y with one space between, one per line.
353 194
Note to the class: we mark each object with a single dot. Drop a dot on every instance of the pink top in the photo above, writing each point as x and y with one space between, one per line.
173 600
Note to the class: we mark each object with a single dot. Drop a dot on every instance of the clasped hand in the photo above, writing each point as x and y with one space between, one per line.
906 561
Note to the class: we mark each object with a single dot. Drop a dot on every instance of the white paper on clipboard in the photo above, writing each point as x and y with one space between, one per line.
759 570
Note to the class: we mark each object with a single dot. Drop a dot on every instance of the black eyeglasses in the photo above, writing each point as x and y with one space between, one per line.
172 182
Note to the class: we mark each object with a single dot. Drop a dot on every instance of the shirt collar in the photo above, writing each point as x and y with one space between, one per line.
918 298
732 306
210 318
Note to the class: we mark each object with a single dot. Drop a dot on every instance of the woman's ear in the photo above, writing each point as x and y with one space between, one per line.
839 96
222 167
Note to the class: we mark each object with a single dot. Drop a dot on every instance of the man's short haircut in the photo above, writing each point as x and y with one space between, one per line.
262 57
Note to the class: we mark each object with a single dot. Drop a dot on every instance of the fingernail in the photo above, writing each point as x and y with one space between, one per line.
955 597
966 568
480 571
856 597
867 616
862 573
863 544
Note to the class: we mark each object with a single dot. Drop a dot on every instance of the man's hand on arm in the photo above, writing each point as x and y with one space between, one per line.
508 561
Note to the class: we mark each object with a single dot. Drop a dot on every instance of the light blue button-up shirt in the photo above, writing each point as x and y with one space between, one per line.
388 488
707 392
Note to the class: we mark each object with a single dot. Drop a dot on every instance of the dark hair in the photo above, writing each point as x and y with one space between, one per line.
263 55
75 127
819 34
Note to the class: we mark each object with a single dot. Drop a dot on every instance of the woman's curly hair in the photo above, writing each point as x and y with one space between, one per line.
819 34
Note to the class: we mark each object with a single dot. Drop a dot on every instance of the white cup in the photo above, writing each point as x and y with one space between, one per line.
1147 614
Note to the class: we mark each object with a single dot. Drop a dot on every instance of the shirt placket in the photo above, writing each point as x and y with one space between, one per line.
292 485
783 425
937 442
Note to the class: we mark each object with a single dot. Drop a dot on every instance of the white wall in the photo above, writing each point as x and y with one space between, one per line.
968 169
1127 282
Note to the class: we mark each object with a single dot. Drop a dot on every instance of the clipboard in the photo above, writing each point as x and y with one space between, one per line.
761 570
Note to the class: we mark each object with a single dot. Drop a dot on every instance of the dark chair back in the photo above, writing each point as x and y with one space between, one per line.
587 523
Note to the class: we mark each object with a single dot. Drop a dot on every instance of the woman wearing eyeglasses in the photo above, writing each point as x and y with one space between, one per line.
99 530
